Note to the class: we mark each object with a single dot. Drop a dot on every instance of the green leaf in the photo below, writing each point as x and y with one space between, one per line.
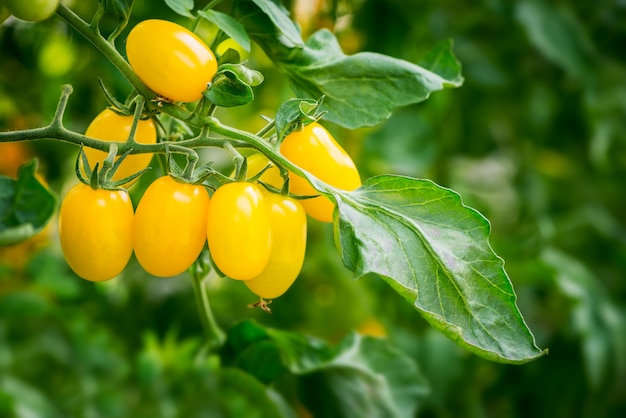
268 20
434 251
365 88
295 111
557 33
26 205
228 25
441 61
361 376
361 89
182 7
227 90
279 16
594 317
250 77
120 8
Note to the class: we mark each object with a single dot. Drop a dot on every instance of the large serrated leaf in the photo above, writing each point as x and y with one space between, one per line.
434 251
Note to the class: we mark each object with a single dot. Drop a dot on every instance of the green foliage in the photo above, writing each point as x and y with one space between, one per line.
533 140
26 205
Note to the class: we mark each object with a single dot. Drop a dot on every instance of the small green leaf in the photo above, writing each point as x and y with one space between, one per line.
227 90
26 205
294 111
434 251
120 8
182 7
250 77
228 25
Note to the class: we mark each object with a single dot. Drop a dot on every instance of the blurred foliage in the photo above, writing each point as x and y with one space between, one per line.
534 139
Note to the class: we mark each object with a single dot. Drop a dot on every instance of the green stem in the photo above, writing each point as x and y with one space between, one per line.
271 151
214 334
106 48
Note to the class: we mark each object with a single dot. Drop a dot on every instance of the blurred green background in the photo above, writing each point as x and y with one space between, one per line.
535 140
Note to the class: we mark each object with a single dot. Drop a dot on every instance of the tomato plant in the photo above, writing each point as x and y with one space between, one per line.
170 225
315 150
239 231
197 214
288 222
110 126
171 60
96 230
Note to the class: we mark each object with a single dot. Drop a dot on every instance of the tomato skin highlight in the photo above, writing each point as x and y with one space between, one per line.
96 230
289 229
239 230
170 59
109 126
170 226
316 151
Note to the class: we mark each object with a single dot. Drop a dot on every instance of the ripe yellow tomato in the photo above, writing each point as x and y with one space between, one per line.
239 231
109 126
271 176
96 231
170 226
316 151
288 221
170 59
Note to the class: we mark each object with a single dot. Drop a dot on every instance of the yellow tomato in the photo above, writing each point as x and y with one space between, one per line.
109 126
288 221
271 176
96 231
170 59
239 231
170 226
316 151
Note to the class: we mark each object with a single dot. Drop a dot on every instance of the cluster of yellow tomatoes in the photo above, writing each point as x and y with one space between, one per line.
252 234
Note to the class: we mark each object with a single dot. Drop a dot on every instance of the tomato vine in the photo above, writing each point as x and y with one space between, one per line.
417 236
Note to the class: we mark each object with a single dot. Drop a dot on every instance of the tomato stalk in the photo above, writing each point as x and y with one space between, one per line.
106 48
214 334
254 141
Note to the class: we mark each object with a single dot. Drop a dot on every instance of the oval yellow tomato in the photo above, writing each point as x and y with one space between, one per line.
239 231
316 151
170 226
170 59
109 126
96 231
288 221
271 176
